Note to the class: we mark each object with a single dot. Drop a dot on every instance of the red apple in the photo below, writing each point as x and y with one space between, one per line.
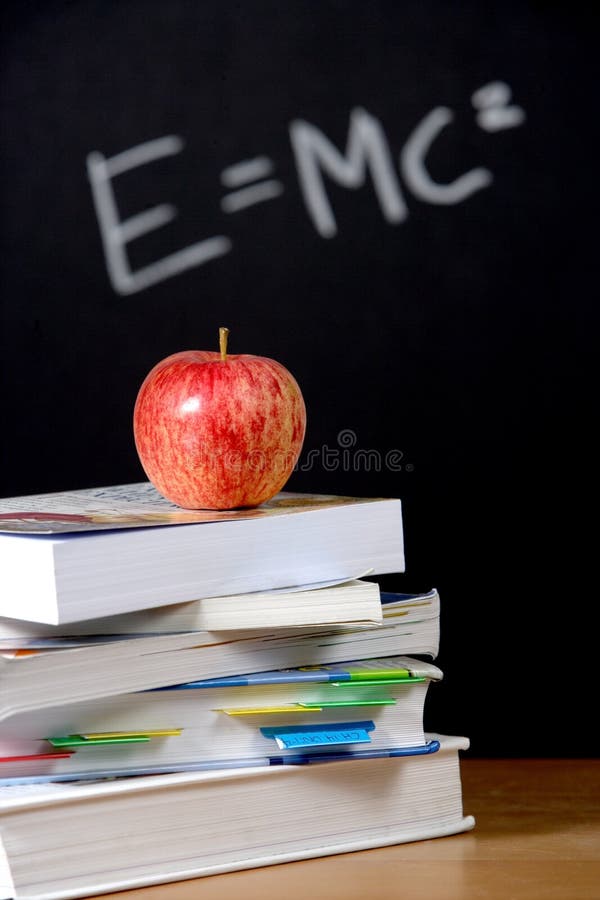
218 431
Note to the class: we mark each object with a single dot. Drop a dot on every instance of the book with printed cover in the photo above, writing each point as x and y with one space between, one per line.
81 555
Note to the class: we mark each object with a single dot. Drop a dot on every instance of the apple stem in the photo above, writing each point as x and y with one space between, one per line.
223 335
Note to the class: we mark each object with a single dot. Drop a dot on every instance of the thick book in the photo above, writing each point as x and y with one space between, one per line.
73 840
80 555
353 602
368 704
32 679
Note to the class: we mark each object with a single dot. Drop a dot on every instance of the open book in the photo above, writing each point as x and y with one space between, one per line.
88 838
84 554
35 679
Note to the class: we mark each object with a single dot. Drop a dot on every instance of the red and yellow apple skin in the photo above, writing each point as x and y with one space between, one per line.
216 431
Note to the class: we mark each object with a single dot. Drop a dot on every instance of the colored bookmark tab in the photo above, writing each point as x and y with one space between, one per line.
160 732
261 710
34 757
332 704
364 682
301 707
78 740
110 737
381 674
294 736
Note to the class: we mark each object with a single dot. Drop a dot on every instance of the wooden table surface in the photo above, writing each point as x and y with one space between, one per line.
537 836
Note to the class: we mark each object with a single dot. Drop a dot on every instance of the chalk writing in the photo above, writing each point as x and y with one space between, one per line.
116 234
241 174
494 112
367 147
249 182
414 170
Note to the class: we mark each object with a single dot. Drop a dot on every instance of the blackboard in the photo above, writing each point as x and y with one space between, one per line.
392 199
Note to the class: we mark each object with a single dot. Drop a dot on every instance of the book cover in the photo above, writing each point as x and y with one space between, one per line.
138 505
131 550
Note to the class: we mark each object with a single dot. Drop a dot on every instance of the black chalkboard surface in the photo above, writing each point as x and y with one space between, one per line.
393 200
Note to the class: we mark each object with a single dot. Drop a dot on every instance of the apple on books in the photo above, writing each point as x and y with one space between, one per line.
218 431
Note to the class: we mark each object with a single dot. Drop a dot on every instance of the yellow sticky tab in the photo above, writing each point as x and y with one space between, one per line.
264 710
106 735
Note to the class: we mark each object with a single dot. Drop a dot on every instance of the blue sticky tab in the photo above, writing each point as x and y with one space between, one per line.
296 736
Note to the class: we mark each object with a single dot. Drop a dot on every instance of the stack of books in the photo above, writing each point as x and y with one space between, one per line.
185 692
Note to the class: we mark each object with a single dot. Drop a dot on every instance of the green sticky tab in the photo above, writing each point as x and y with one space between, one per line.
381 675
77 740
331 704
69 740
376 681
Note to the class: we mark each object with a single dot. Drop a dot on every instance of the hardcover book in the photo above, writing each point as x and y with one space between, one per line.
73 840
